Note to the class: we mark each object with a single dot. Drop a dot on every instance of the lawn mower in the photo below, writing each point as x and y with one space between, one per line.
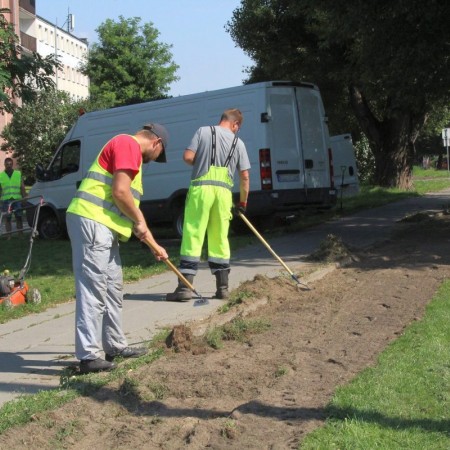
16 291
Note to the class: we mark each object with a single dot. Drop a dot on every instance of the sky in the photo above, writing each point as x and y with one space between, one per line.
205 53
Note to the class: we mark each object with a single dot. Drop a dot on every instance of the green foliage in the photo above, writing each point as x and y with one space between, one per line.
365 160
38 127
129 65
21 74
384 63
429 143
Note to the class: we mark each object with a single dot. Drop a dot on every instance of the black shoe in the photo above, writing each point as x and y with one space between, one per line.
96 365
128 352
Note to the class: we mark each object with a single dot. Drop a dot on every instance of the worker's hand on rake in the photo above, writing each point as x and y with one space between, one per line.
239 208
159 252
141 231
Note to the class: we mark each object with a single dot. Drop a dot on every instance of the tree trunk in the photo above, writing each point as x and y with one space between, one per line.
391 140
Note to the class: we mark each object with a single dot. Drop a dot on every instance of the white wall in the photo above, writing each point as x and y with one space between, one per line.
71 51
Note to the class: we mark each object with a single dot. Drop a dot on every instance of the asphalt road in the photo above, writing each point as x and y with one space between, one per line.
35 349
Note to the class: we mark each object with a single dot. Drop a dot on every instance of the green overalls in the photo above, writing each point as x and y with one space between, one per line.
208 210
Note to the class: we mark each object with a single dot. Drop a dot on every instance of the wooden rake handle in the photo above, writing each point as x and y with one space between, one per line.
266 244
172 267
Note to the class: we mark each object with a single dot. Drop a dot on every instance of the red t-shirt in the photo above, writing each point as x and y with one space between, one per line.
121 153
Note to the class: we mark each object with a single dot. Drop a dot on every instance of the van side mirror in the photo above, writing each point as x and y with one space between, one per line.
41 173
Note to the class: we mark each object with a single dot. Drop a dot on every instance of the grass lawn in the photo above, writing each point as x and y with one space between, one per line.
403 402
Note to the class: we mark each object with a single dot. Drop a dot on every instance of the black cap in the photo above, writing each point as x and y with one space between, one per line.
159 131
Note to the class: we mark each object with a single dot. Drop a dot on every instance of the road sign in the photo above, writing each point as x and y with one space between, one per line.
446 137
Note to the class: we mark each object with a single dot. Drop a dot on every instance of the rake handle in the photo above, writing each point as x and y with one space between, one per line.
171 266
265 243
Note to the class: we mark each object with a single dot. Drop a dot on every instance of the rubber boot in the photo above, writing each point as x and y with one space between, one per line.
222 284
182 293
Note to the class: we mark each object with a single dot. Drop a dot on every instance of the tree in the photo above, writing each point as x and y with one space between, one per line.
389 61
21 74
38 127
129 65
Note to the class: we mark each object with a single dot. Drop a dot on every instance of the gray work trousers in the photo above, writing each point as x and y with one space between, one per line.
98 286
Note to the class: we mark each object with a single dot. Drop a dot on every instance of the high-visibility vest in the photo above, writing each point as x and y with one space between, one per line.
94 200
11 185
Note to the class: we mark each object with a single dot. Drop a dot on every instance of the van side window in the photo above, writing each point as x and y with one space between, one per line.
66 161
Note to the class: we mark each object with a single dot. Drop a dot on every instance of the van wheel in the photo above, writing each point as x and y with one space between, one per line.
49 226
239 227
177 223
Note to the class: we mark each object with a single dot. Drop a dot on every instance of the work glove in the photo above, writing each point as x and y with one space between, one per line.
240 207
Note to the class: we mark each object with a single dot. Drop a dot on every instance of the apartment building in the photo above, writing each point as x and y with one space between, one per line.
71 52
37 34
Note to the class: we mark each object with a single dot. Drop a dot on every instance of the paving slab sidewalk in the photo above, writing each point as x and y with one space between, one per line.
35 349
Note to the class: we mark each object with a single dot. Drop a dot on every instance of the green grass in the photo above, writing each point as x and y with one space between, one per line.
403 402
51 269
21 411
237 330
418 172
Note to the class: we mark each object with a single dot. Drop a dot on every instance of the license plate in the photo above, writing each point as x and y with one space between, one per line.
288 177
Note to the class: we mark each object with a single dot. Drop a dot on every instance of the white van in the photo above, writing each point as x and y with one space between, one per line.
285 131
344 162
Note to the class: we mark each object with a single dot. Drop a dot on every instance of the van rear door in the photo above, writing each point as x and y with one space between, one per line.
314 138
284 139
297 135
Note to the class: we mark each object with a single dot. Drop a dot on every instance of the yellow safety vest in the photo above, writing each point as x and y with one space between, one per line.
94 200
11 185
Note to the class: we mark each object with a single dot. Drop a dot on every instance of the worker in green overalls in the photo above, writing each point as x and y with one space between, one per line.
215 153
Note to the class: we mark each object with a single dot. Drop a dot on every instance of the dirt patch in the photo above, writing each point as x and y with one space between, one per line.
266 390
333 249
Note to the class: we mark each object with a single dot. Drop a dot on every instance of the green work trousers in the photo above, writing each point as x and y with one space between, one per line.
208 211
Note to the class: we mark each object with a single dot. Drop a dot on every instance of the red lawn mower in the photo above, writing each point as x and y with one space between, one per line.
16 291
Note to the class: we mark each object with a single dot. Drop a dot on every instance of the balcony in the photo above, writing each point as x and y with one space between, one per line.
28 5
28 42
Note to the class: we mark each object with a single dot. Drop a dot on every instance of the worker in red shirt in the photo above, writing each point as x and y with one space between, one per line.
105 209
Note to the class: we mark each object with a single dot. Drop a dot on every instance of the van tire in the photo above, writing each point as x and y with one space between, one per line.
49 227
239 227
177 223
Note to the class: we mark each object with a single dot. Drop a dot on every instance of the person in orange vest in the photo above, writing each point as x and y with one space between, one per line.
12 189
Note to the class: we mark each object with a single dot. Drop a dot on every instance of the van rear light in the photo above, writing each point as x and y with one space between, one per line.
330 162
265 169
